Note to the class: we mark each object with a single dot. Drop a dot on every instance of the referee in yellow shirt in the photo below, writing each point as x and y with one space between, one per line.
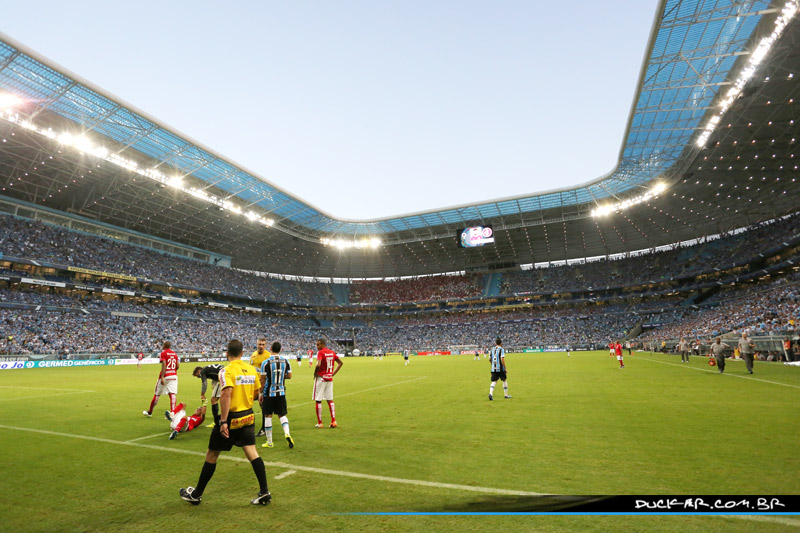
239 383
256 358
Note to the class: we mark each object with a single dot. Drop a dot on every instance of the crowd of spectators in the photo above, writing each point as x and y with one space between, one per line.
35 240
648 268
76 332
31 239
416 290
764 308
480 331
769 308
759 309
93 324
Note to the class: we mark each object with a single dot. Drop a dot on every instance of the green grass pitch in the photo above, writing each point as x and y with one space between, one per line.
77 454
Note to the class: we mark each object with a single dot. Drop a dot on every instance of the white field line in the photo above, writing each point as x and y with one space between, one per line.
285 466
149 437
285 474
45 395
748 376
362 391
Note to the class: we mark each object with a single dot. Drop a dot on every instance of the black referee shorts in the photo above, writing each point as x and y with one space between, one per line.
245 436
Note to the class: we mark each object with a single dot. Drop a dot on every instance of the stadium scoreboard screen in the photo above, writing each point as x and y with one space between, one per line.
475 236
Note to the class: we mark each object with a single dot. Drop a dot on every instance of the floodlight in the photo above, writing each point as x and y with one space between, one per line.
82 143
176 182
659 187
66 138
756 57
343 244
9 101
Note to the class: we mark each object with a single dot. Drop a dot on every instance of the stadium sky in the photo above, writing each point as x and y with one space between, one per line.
369 109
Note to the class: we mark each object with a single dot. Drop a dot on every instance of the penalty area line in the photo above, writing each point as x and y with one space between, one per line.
286 466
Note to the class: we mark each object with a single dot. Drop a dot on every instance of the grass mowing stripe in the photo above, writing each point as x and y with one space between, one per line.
362 391
421 483
43 388
44 395
713 371
774 519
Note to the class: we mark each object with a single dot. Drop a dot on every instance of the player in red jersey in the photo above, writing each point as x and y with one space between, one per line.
323 380
618 351
179 422
139 364
167 379
611 350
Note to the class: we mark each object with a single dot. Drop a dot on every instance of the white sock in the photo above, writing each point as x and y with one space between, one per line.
285 424
268 429
491 387
505 388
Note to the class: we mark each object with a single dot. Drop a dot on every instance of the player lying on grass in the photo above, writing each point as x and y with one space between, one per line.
180 422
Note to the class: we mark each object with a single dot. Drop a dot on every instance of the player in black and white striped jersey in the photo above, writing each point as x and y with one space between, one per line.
497 357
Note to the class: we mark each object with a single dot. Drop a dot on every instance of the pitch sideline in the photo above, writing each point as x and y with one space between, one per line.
640 358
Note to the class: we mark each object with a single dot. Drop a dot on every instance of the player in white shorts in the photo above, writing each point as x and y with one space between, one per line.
179 422
323 390
323 380
167 379
170 386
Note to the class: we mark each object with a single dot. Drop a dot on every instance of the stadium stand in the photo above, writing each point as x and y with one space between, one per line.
35 318
44 243
669 187
35 240
416 290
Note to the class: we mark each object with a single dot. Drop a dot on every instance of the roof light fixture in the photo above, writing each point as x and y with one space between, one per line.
607 209
762 49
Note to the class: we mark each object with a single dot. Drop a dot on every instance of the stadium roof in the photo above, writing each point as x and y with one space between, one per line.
697 49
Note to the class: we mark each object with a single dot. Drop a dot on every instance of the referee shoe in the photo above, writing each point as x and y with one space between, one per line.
262 499
187 495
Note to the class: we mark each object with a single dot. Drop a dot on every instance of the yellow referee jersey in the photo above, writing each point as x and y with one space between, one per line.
245 382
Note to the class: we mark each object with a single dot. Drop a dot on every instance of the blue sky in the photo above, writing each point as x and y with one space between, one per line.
369 109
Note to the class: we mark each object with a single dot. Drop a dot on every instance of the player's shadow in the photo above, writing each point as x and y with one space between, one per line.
529 504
